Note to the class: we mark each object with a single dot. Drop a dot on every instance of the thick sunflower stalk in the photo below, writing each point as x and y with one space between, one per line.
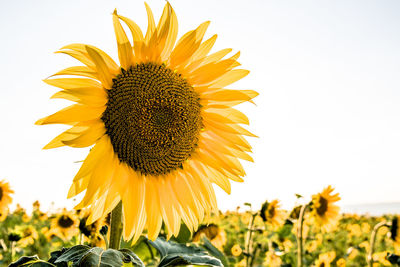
161 125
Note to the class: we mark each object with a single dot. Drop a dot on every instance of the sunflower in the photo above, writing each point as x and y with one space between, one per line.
341 262
324 212
28 236
325 259
64 225
5 199
162 125
214 233
93 229
236 250
272 214
272 260
381 257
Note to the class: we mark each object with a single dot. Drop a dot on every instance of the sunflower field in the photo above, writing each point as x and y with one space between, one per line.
244 237
161 128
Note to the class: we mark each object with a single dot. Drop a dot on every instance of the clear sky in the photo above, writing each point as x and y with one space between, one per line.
327 73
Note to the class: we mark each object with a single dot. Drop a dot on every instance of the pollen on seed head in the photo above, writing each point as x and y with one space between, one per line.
152 118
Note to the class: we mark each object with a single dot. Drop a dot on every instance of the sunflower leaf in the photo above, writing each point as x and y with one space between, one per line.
174 254
31 261
81 256
214 251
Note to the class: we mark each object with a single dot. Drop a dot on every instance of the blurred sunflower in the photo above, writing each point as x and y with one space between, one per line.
352 252
28 235
236 250
272 214
325 259
162 124
272 260
341 262
365 228
214 233
324 212
93 229
381 257
64 225
354 230
5 199
295 213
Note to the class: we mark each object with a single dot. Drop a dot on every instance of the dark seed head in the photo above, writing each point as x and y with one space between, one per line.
152 118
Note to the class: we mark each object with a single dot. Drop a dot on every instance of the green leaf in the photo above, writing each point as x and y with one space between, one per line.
184 235
129 256
193 259
174 254
31 261
82 256
214 251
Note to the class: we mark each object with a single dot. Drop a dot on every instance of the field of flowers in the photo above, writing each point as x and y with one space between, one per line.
244 237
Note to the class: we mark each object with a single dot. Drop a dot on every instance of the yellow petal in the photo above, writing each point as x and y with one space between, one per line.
212 71
133 207
73 83
96 153
187 46
74 113
103 72
79 56
87 96
167 31
230 77
208 59
81 48
154 219
224 114
77 70
125 53
66 135
137 34
227 95
151 24
88 137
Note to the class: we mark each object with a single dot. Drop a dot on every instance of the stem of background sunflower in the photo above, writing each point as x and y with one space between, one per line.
249 240
300 236
370 259
116 226
12 250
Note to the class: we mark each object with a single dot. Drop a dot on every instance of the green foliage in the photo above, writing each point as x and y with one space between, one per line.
350 242
174 254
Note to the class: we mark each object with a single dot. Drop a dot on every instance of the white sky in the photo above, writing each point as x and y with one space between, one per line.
327 73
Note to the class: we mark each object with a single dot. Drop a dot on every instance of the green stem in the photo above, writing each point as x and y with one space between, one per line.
248 241
370 259
116 226
300 236
12 250
106 241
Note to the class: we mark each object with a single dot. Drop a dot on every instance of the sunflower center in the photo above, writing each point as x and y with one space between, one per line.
323 206
65 221
152 118
1 193
271 212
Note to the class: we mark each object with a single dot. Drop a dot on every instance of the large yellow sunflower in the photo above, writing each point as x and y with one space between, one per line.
5 199
162 124
324 212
